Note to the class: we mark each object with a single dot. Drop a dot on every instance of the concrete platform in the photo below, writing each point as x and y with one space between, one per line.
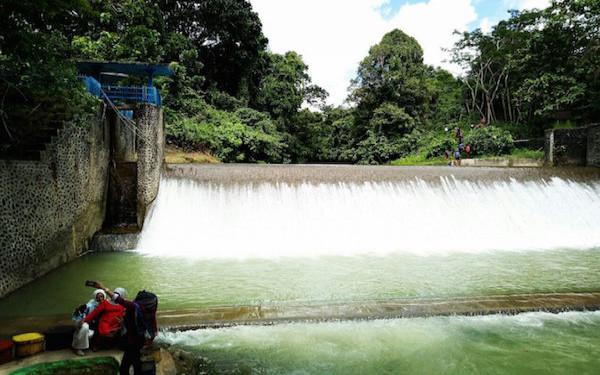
224 316
165 367
503 162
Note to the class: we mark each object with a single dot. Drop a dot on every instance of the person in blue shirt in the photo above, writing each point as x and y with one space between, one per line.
457 157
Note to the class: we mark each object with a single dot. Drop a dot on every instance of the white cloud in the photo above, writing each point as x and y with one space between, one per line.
526 4
333 36
485 25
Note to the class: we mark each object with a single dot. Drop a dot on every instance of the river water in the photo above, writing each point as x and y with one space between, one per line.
237 235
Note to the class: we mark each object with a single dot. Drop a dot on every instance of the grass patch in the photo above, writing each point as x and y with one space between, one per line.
527 154
519 153
177 156
564 125
419 159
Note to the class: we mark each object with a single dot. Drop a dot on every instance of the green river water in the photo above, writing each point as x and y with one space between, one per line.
294 236
531 343
184 283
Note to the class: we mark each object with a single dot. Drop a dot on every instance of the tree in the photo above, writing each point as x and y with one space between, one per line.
286 86
536 65
228 37
392 96
392 72
38 85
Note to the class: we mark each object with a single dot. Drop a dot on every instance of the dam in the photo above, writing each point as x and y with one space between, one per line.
351 269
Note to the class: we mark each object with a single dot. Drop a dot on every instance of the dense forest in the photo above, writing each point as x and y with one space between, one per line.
240 102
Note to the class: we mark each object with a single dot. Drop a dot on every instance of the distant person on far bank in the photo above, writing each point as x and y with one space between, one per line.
140 322
456 157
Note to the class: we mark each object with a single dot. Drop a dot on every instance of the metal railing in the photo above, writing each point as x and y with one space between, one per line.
123 93
93 86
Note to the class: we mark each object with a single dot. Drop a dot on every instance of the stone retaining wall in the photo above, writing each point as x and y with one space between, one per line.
566 147
503 162
50 209
593 146
151 154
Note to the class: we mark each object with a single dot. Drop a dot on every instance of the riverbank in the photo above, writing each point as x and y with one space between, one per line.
532 159
179 156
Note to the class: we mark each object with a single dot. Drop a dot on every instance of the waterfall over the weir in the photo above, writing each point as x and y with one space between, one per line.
423 217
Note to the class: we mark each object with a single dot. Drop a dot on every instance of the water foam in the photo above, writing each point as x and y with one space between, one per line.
239 221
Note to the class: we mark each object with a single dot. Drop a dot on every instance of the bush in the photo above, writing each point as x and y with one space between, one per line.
419 159
435 144
377 149
489 140
226 135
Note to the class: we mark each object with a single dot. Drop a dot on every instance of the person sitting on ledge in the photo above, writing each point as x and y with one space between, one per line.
140 322
83 333
110 319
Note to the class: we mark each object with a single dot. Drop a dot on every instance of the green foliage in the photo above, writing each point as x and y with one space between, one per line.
393 72
390 120
38 85
242 136
285 86
526 153
418 159
489 140
446 103
243 103
377 149
435 144
564 125
535 65
520 131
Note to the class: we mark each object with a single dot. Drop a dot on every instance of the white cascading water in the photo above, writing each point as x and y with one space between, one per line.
239 221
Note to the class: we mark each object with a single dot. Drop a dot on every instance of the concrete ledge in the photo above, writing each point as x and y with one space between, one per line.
226 316
503 162
103 242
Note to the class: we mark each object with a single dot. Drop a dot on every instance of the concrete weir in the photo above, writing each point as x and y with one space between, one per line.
226 316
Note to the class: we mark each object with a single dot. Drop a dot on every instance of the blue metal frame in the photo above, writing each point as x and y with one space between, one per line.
123 93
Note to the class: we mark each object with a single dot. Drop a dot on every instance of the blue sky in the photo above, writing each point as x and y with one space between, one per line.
333 36
492 10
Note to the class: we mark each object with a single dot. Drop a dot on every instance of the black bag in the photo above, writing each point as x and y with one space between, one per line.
147 299
146 304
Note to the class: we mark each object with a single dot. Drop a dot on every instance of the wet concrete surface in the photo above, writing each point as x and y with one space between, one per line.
224 316
165 367
319 173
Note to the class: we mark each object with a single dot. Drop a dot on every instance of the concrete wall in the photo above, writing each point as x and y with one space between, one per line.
150 155
134 173
50 209
123 139
566 147
593 146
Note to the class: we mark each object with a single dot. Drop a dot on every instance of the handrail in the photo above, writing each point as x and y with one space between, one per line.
136 93
93 86
125 119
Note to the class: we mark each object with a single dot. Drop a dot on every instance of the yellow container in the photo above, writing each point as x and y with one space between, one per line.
28 344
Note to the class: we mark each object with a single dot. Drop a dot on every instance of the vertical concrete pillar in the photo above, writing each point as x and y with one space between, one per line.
593 146
150 154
